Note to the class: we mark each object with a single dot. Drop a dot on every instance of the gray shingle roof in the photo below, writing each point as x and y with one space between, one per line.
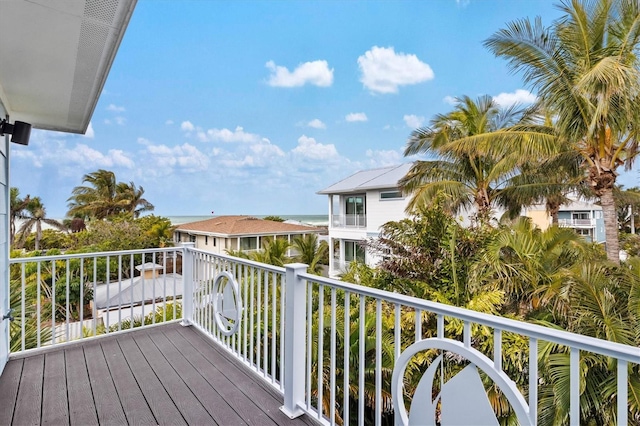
382 178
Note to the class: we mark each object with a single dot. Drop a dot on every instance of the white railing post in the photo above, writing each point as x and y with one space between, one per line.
187 283
294 339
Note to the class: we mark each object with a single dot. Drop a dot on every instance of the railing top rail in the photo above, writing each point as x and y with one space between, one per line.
587 343
241 260
92 254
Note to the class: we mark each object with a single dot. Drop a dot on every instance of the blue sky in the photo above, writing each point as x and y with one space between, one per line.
251 107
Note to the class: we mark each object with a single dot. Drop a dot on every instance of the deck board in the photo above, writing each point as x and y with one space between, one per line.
167 374
156 395
9 383
202 389
190 408
132 399
54 391
82 409
105 395
26 412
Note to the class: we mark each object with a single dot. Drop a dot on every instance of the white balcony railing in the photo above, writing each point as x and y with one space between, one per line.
349 221
577 223
312 338
57 299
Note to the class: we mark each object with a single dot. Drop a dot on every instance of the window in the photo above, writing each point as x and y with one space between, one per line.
248 243
390 195
353 251
214 241
192 238
206 240
581 215
355 205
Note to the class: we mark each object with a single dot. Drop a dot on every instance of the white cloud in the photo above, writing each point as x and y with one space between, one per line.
115 108
316 73
120 120
356 116
186 157
449 100
317 124
187 126
226 135
308 147
90 133
383 158
168 122
383 70
413 121
520 96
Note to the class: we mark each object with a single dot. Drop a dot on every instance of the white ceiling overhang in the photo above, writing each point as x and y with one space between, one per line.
55 56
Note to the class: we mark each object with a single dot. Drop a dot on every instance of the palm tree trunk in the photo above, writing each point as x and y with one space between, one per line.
38 235
610 224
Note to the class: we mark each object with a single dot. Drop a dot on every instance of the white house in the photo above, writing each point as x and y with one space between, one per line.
241 233
358 206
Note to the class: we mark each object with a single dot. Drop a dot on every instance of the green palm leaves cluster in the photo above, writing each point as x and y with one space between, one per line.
586 72
304 249
466 173
103 197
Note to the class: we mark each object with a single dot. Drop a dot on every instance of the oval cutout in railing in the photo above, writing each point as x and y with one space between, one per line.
227 303
462 398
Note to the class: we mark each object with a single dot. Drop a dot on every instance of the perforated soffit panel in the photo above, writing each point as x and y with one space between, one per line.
55 56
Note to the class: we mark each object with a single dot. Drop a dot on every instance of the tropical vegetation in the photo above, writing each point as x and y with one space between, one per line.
103 197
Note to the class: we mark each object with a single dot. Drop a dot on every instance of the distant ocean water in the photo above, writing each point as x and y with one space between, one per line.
310 219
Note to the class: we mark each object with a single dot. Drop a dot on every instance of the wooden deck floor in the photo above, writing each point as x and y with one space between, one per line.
163 375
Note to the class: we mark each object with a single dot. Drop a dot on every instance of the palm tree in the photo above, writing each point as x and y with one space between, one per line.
311 252
104 197
35 215
585 68
467 175
97 199
17 206
131 199
273 252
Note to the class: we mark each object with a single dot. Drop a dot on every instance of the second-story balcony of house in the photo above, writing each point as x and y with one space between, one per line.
184 336
577 223
349 221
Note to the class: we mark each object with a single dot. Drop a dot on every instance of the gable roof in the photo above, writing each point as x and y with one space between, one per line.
382 178
244 225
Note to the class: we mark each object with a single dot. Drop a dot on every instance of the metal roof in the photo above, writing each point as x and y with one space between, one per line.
382 178
56 56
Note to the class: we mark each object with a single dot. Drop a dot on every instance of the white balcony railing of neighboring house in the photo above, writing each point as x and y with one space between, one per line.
349 221
577 223
311 337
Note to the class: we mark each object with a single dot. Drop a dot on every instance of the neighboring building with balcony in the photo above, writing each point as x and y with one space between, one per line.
239 233
358 206
582 216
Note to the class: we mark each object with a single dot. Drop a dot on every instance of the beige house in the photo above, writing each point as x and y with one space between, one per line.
245 233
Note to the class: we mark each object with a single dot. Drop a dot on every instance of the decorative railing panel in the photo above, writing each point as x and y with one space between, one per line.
247 320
